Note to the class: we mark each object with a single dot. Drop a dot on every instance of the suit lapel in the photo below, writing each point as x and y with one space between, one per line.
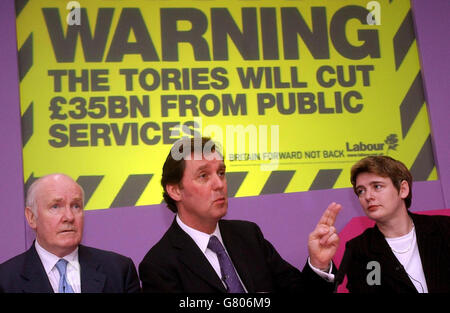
35 280
92 280
193 258
236 250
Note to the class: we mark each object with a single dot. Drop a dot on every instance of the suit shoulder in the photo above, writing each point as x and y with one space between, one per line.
435 219
240 224
161 251
439 223
104 255
13 263
10 273
361 239
247 231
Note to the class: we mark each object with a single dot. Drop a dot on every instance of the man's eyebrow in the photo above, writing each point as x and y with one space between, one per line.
202 167
206 166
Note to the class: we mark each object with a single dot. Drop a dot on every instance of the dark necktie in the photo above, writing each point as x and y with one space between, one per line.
64 286
229 275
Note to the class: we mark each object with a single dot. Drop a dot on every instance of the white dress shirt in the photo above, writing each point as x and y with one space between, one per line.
202 240
73 268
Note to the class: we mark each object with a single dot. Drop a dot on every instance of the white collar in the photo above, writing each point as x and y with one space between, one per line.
49 260
200 238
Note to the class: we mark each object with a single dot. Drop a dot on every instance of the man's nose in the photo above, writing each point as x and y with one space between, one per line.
218 182
68 214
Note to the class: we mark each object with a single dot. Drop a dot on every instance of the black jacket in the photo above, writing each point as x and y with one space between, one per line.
433 240
100 271
176 264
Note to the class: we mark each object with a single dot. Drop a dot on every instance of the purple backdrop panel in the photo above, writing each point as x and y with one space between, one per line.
12 239
130 231
432 26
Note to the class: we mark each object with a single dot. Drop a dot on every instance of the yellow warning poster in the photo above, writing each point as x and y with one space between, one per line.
295 91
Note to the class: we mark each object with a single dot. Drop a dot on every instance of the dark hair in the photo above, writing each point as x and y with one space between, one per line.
384 166
173 168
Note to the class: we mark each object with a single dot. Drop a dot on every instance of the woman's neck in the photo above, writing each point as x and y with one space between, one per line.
397 226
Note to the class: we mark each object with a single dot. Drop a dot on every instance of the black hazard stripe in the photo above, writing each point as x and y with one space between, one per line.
25 56
424 162
25 60
403 39
325 179
413 101
411 104
277 182
131 190
414 98
27 124
20 4
89 185
234 181
28 183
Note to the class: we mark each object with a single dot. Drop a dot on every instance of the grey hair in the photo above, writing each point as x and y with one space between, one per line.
30 201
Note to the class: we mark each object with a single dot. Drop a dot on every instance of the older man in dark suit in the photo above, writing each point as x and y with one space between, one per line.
201 252
56 262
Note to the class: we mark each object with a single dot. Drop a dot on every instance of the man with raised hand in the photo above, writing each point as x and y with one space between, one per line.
202 252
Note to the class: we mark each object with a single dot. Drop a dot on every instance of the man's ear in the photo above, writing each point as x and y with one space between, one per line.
31 217
404 189
174 191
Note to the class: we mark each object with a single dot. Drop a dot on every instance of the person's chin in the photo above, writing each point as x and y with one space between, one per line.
374 213
221 207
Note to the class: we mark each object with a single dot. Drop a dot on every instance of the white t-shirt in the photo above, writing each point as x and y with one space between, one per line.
406 250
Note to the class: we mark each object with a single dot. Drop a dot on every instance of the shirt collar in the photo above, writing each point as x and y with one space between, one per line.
200 238
49 260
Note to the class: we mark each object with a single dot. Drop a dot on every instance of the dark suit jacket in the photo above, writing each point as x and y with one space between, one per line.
176 264
433 240
101 271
